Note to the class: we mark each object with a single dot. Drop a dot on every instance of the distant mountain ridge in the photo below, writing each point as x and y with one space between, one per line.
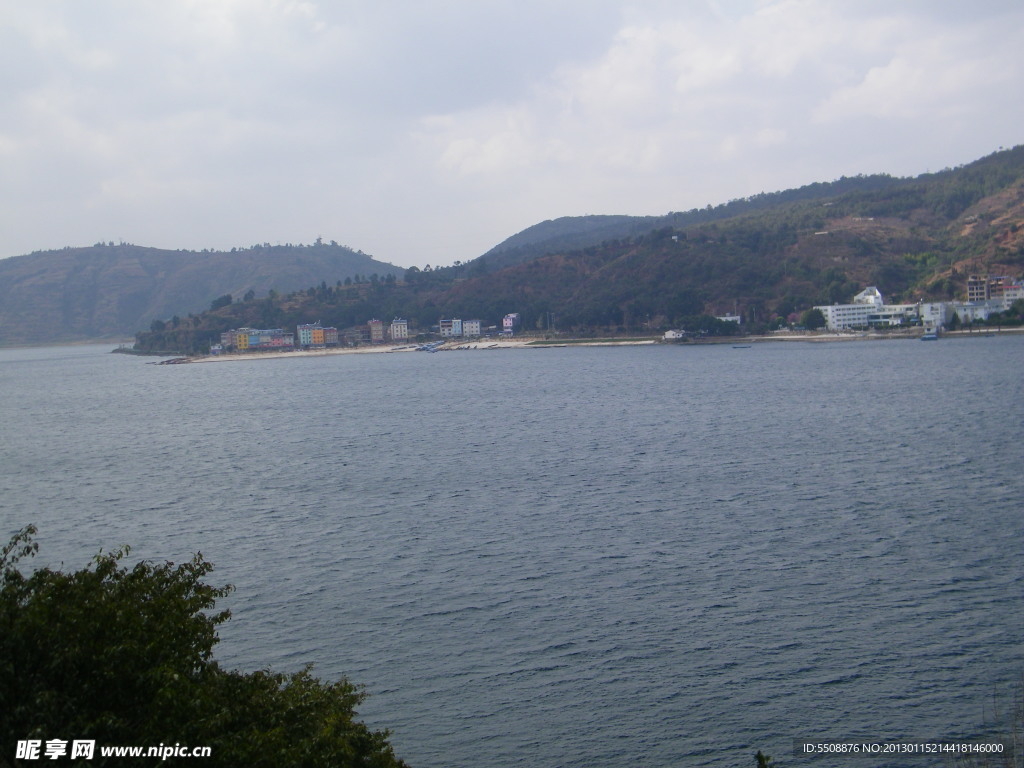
110 291
571 233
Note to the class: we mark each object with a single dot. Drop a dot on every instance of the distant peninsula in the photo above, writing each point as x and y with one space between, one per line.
109 291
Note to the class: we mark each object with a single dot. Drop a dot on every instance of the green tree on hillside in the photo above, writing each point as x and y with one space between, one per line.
221 301
813 319
124 656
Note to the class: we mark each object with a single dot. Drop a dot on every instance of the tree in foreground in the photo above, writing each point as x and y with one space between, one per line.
124 656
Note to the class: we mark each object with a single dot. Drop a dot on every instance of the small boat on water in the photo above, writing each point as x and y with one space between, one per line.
742 346
930 336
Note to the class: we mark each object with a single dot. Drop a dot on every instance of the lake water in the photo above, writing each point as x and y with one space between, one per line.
656 556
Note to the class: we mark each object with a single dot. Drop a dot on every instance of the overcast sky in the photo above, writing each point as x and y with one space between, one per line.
427 132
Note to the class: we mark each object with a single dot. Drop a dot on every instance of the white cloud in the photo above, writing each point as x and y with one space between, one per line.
936 76
192 124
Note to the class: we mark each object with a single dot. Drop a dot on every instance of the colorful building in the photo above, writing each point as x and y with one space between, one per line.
315 336
248 339
510 323
450 328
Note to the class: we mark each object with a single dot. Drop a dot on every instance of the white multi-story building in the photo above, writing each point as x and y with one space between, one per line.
470 328
1012 292
399 329
870 295
934 314
843 317
867 310
976 311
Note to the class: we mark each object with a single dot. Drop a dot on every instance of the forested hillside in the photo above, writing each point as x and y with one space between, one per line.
111 291
576 232
766 257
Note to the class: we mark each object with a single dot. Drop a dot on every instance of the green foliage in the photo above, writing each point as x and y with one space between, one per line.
124 655
580 232
709 326
221 301
180 340
813 319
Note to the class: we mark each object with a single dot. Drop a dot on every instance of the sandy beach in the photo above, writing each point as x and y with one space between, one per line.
375 349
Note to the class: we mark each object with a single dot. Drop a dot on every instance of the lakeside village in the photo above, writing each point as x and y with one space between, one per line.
986 295
317 336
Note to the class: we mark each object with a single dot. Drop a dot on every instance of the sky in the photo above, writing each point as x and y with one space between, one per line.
428 131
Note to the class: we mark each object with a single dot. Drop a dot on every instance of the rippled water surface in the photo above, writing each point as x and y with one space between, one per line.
652 556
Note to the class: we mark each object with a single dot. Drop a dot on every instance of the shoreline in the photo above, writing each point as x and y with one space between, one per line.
369 350
487 344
